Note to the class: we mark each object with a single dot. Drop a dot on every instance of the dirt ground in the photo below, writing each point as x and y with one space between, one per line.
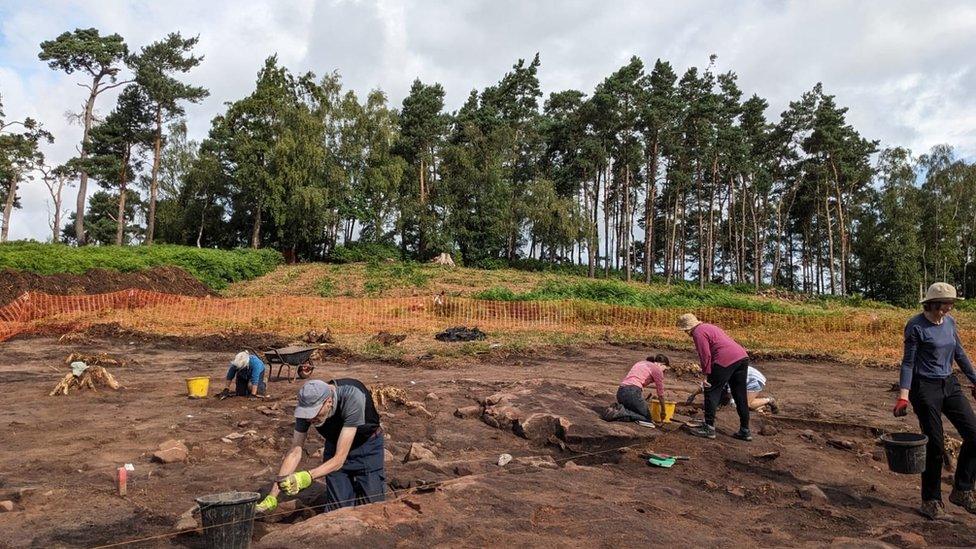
172 280
575 481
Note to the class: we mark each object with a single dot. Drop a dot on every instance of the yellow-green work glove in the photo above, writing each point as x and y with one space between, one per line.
295 482
269 503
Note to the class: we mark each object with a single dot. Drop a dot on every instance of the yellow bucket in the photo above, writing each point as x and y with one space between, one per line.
656 411
197 387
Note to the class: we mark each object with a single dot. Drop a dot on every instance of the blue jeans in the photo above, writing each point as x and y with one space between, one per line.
361 480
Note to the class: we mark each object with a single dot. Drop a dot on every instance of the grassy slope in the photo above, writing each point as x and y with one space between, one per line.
406 279
215 268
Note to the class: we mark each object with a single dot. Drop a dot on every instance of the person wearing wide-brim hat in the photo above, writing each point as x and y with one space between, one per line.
927 382
724 363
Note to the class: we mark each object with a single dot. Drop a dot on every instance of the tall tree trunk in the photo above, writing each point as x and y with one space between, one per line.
830 244
421 236
843 230
649 213
203 218
154 178
606 222
595 226
256 228
120 219
626 222
82 155
8 208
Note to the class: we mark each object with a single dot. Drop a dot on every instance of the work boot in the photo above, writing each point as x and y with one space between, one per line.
704 430
647 424
964 498
743 434
773 407
933 510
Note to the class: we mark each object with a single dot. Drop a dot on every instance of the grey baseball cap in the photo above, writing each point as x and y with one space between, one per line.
310 398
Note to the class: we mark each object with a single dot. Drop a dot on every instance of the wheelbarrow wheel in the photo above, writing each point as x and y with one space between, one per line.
304 371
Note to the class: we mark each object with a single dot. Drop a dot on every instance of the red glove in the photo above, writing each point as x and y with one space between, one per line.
901 408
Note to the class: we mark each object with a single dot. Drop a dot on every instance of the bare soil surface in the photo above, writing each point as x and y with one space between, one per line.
575 480
170 280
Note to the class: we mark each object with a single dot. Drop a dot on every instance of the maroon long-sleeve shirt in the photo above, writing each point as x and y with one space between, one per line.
714 346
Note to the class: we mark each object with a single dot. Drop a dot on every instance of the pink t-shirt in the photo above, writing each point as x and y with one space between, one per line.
642 373
715 347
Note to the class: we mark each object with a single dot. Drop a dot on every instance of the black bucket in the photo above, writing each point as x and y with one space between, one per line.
905 452
228 519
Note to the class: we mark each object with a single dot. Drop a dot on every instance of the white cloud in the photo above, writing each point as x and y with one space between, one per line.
904 68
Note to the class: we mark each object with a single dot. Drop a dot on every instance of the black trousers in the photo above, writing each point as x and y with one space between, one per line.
735 377
632 399
931 398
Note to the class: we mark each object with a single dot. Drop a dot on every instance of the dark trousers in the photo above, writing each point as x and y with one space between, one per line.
735 377
243 378
930 399
631 398
362 478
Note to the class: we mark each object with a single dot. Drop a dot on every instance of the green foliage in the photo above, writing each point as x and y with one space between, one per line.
364 252
325 287
215 268
618 293
381 276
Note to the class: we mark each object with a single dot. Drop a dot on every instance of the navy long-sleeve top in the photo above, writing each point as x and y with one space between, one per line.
930 349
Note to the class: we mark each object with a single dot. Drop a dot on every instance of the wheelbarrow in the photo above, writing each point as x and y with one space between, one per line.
286 357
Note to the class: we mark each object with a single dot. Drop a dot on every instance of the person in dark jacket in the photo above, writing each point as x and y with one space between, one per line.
929 384
343 413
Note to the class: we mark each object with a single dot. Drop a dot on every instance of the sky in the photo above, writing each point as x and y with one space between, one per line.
905 69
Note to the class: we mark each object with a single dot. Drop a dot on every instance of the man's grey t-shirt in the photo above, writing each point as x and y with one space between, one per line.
353 407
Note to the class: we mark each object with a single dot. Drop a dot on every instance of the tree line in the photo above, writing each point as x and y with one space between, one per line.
653 175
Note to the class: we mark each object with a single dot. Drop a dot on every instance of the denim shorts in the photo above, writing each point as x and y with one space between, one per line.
753 385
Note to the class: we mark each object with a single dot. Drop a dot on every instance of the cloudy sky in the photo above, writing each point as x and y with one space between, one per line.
906 69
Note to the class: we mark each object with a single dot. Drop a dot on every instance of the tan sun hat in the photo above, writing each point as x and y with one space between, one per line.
940 291
687 321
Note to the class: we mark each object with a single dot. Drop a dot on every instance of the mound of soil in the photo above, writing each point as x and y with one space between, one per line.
227 342
170 280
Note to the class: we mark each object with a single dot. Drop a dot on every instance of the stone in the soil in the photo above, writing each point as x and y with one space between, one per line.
465 468
417 409
545 462
465 412
188 520
878 454
809 435
550 413
672 491
905 539
387 455
24 494
768 430
504 459
812 493
736 491
432 396
6 506
171 451
417 452
312 532
856 543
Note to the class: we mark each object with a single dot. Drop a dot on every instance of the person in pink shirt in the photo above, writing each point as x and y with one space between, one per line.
631 403
724 363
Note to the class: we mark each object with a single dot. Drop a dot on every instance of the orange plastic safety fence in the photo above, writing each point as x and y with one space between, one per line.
181 315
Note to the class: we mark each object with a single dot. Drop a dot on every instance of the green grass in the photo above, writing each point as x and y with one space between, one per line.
381 276
215 268
619 293
325 287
